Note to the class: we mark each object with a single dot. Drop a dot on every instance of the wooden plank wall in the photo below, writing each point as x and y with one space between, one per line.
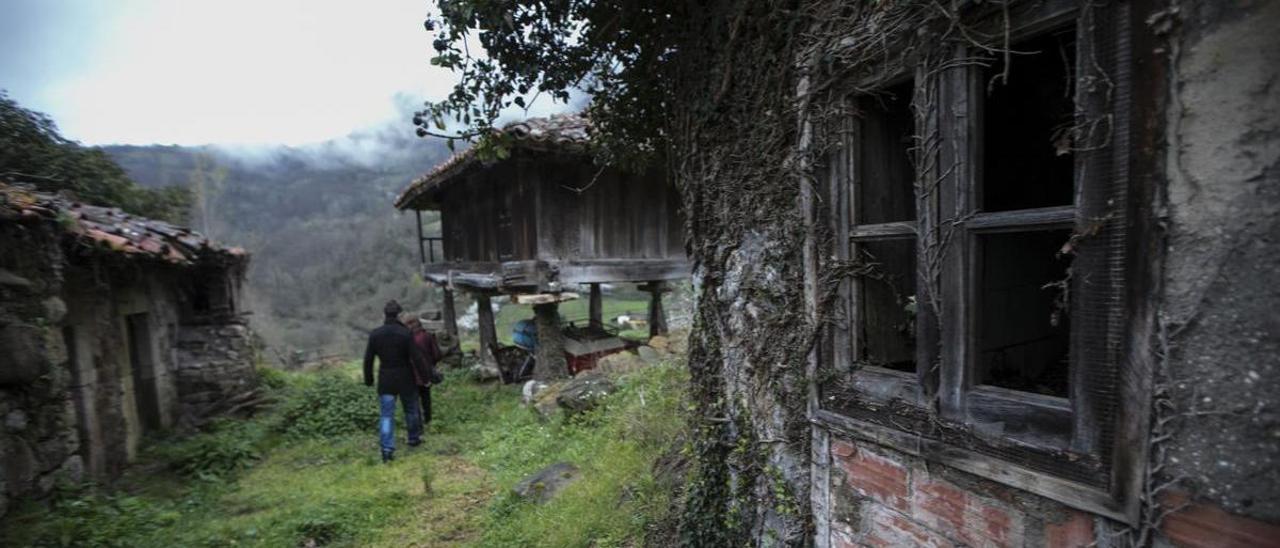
592 214
490 217
560 208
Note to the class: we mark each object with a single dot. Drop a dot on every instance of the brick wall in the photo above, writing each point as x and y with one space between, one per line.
880 497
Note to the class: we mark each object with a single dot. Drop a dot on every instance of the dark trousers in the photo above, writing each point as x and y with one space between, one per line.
424 396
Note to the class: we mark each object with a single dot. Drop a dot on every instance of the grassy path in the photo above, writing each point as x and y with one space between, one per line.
257 483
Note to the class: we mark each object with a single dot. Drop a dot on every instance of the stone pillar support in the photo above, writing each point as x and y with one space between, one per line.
657 316
595 309
488 331
550 355
448 314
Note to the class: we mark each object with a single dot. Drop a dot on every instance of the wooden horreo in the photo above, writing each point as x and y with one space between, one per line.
543 219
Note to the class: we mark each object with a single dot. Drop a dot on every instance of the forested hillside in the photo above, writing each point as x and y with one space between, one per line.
328 248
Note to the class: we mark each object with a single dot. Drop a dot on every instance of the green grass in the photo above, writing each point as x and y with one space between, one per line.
253 483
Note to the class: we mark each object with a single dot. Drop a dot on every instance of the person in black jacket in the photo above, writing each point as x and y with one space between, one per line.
392 344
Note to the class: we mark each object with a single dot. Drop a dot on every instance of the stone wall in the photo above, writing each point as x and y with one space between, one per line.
215 363
1220 299
94 355
38 440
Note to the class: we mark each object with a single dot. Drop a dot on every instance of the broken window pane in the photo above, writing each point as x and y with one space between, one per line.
1022 319
1027 160
886 304
886 191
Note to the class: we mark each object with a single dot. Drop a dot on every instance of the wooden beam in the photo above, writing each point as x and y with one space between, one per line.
883 231
545 298
621 270
551 363
488 331
1048 217
513 275
595 309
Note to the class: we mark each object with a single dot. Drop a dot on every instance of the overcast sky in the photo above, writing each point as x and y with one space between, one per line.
217 71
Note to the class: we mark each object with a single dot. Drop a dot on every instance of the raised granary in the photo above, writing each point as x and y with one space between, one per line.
111 326
541 217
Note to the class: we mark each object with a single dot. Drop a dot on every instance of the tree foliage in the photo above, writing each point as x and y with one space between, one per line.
617 51
32 151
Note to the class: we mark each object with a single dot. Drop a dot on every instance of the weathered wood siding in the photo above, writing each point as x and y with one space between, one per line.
560 208
592 214
489 217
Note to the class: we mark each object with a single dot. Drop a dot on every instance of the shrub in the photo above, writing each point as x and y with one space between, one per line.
227 447
331 405
271 378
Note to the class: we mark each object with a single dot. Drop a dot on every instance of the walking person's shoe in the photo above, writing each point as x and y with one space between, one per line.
388 456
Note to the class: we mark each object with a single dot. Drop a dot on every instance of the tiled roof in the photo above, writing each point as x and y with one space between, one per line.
113 230
568 132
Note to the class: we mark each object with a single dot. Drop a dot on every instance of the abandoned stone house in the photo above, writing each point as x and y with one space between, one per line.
543 219
1060 327
112 326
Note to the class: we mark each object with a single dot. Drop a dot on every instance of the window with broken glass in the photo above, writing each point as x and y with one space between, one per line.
980 217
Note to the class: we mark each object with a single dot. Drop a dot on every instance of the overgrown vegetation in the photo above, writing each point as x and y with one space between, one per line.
329 405
32 151
276 480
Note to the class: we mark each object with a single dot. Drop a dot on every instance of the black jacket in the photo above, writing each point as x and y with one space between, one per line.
393 345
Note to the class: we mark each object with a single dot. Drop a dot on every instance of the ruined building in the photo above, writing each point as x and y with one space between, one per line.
111 327
543 218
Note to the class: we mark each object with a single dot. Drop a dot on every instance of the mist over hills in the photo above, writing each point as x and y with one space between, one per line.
328 247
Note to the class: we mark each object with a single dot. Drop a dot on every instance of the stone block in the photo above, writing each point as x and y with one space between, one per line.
55 350
544 484
22 352
54 310
584 392
649 354
51 452
73 469
15 421
619 363
19 464
660 343
678 342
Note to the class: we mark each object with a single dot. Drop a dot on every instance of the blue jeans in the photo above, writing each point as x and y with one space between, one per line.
387 420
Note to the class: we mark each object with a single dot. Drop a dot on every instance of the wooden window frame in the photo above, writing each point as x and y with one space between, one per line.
899 409
878 383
